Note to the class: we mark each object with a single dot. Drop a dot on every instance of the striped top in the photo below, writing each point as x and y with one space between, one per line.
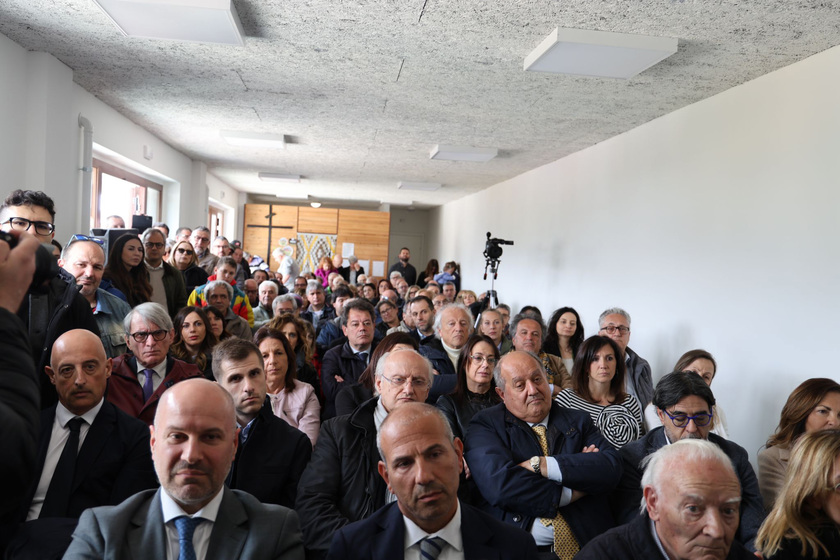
620 423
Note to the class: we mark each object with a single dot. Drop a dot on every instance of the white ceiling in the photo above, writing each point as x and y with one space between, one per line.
364 89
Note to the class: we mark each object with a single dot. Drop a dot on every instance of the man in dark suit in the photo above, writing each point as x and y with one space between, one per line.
343 365
684 404
453 326
691 501
421 463
542 467
194 441
272 455
90 452
142 375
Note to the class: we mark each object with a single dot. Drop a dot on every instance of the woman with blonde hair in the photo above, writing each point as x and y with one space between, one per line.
812 407
467 297
805 520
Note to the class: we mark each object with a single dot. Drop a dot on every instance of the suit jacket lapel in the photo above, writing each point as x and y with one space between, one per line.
98 434
230 529
146 532
476 535
390 542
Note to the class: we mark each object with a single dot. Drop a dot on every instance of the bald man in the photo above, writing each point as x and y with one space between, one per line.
90 452
194 441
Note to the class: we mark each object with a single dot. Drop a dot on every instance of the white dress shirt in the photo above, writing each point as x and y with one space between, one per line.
201 537
451 533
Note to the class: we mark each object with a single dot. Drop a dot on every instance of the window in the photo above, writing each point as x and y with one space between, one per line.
116 191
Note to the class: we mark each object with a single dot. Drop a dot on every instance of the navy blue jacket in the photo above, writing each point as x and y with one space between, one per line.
444 383
497 442
343 362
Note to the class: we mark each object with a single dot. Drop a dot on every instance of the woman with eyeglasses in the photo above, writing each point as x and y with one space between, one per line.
475 389
812 407
805 519
351 397
292 400
194 339
598 389
126 270
184 258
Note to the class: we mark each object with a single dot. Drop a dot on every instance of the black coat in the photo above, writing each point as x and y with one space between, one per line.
444 383
340 361
271 461
341 483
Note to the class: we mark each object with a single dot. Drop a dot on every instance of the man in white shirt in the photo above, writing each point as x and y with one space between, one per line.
194 441
288 269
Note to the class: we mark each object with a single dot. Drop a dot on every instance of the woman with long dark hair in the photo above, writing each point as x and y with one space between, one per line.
432 268
294 329
194 339
292 400
564 335
217 323
126 270
598 389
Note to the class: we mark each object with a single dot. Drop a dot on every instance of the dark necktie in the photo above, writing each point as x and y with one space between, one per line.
149 384
363 356
186 527
58 494
431 547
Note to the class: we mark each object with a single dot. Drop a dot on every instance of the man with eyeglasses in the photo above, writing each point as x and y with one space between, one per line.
168 288
141 375
684 404
200 239
342 482
54 307
84 258
615 323
343 365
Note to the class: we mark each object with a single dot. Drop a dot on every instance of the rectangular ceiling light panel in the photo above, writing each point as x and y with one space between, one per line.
463 153
414 186
599 53
279 177
201 21
254 139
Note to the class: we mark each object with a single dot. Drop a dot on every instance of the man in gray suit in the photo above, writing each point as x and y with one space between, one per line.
194 441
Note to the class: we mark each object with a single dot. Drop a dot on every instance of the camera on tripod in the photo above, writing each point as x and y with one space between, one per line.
493 249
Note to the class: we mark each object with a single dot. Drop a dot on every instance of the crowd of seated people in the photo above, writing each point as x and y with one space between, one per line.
559 436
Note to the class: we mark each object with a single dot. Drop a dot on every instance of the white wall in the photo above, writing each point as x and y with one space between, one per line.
715 227
409 228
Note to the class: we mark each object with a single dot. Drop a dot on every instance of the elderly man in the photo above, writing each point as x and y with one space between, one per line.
402 289
318 311
168 288
91 453
684 404
343 365
200 239
84 258
288 269
287 303
353 271
219 295
690 509
528 330
615 323
194 441
542 467
453 326
221 247
224 271
114 222
252 291
141 376
403 267
267 293
183 234
421 462
54 307
449 291
272 454
341 483
423 312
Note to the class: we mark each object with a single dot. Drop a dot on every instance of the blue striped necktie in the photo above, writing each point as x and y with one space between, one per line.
431 547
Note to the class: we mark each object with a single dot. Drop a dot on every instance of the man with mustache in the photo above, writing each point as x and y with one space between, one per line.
542 467
421 461
194 440
272 454
684 404
90 452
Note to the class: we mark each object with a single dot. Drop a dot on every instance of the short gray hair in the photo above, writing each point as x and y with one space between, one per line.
150 232
151 313
314 286
283 299
497 371
685 451
268 284
519 317
423 410
213 285
612 311
439 315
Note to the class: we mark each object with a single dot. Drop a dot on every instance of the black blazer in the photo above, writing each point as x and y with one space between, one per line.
271 461
382 536
343 362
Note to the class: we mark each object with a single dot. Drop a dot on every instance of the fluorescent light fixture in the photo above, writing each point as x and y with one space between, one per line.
414 186
279 177
599 53
200 21
315 204
462 153
253 139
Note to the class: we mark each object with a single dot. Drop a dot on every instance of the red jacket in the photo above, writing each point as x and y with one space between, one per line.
127 394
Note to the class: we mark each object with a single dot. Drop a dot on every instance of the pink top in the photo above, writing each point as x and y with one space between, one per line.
324 275
299 408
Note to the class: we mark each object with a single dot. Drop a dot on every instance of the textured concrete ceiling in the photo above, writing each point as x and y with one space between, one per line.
365 88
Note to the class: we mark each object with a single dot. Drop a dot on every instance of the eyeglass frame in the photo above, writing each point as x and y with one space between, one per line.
688 419
154 245
491 360
144 335
424 385
183 251
621 329
30 223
